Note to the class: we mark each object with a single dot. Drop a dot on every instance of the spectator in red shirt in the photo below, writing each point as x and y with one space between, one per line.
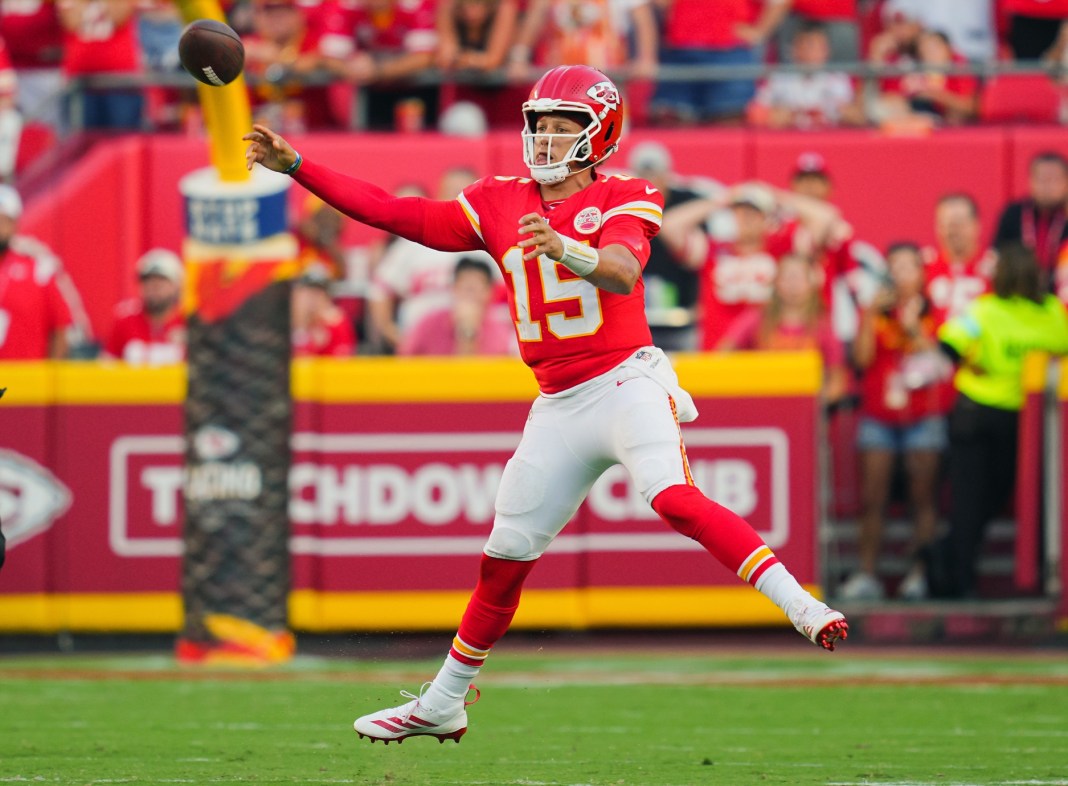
904 399
737 273
34 311
471 325
150 329
34 40
379 45
101 38
959 268
731 34
320 328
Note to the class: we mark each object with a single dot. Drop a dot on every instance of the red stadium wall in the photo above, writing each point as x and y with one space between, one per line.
123 198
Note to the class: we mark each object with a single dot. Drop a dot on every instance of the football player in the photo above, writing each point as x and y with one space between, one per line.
571 243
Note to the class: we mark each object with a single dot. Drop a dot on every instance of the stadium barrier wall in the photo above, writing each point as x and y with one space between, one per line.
395 468
122 197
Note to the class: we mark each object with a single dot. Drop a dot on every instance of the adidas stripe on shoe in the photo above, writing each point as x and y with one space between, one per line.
397 724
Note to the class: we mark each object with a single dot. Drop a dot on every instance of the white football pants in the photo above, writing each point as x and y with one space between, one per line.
629 415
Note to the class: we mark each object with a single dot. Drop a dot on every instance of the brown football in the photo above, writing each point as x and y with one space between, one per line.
211 52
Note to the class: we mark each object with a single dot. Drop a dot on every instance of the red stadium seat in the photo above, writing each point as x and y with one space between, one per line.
1020 97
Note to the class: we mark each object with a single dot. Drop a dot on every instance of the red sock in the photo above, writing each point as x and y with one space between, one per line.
724 534
491 608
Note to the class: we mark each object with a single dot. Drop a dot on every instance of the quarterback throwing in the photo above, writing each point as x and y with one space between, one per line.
571 243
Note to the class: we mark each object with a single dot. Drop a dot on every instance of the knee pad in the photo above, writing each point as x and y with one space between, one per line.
507 541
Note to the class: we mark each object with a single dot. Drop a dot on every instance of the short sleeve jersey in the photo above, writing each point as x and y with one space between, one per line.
569 331
32 307
135 339
951 287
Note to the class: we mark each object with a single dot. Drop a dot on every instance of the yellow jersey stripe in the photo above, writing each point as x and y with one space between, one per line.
472 215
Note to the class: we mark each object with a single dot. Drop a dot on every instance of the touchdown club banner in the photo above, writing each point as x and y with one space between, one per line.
394 470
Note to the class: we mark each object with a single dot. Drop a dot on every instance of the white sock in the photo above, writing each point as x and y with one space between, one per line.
782 588
450 686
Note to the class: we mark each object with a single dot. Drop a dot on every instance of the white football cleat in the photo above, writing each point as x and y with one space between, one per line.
412 720
819 623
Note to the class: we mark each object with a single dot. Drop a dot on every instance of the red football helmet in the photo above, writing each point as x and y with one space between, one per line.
579 90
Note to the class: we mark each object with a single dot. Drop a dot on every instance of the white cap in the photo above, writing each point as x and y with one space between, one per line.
464 119
160 262
10 202
755 196
650 157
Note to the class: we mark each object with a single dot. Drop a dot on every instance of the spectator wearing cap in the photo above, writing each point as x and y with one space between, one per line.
470 325
35 295
737 268
810 99
320 328
671 288
149 330
1039 221
853 269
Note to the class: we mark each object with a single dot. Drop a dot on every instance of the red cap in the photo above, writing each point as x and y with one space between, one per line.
811 163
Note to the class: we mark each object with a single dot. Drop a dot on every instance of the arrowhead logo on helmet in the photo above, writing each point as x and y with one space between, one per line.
605 94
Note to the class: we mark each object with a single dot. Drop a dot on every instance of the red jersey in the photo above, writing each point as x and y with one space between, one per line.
32 308
952 286
569 330
886 392
407 26
101 46
733 282
330 337
32 31
1047 9
698 24
135 339
826 10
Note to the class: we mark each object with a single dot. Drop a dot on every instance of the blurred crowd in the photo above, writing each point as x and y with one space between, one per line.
461 65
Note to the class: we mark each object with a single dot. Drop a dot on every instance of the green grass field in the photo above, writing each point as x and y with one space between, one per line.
558 716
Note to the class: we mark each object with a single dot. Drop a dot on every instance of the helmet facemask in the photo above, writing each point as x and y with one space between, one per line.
578 153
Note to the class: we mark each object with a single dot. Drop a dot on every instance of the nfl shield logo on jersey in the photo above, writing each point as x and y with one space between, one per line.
588 221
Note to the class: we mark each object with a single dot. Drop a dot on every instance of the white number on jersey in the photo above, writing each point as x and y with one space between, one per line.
589 318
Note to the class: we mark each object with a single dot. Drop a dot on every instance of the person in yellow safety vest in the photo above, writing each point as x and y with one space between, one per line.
988 343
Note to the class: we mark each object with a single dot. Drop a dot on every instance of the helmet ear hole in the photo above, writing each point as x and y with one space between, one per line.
585 150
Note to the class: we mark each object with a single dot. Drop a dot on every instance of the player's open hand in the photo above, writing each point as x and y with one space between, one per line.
269 149
539 238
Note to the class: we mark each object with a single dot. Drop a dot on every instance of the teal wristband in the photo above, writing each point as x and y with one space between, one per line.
289 170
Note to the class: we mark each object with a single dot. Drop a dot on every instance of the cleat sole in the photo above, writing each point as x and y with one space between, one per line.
452 735
829 637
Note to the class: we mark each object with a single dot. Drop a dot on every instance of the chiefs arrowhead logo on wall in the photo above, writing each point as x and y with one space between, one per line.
31 497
